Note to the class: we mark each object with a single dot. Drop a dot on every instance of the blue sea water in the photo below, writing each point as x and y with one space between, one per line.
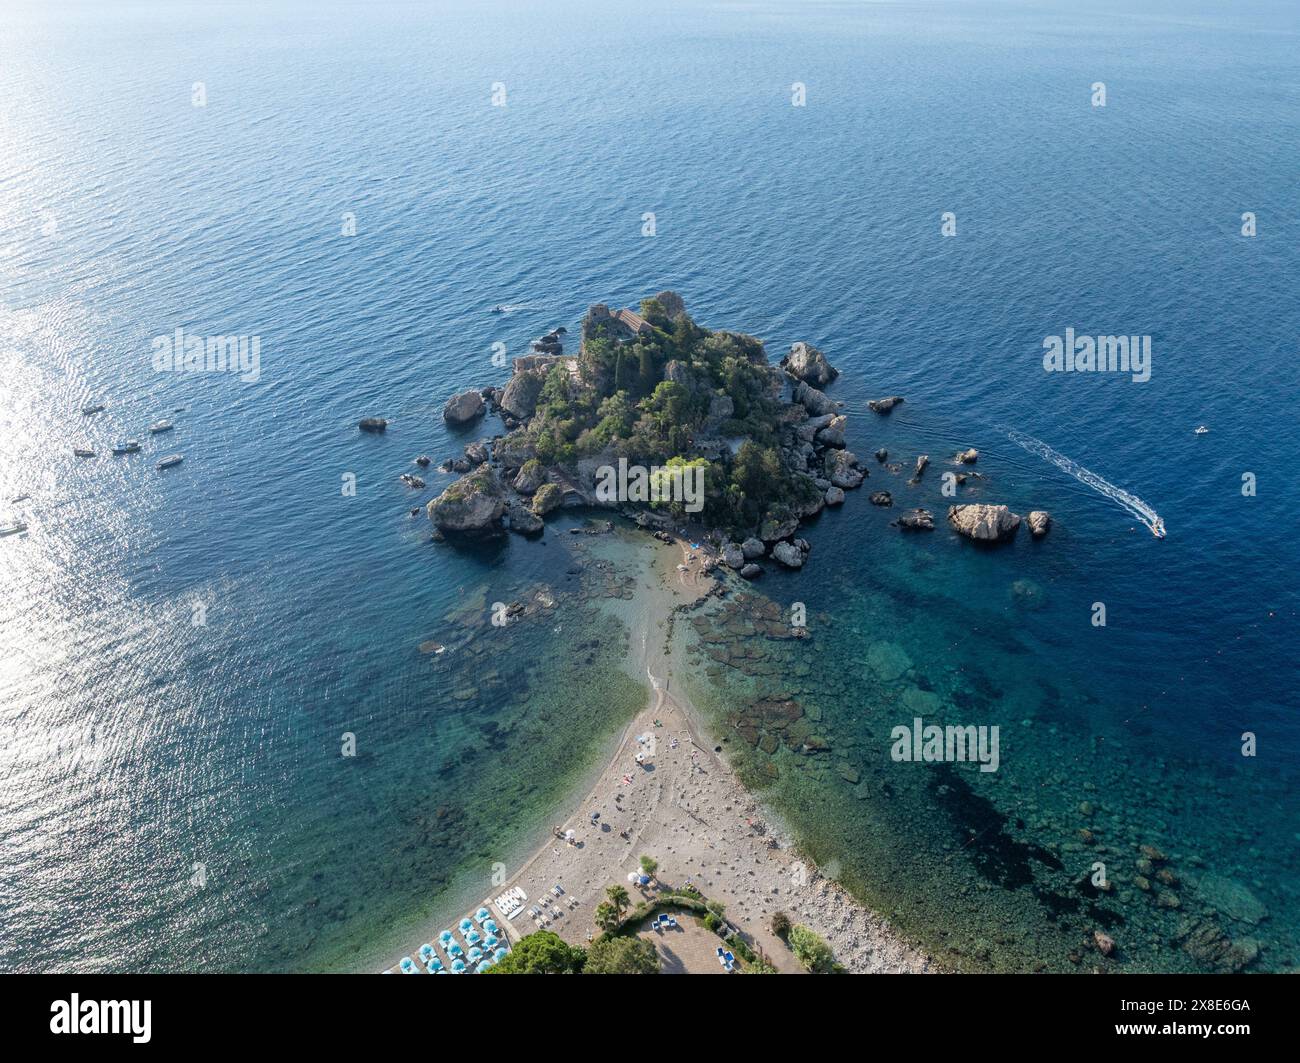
139 745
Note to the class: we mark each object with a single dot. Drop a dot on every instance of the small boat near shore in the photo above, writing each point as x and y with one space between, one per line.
82 452
98 407
170 460
1158 528
129 446
13 529
1201 430
160 426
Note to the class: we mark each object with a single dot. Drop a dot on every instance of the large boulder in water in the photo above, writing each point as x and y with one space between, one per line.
472 506
524 521
842 469
805 362
788 554
531 477
886 404
753 548
519 399
463 408
548 498
1040 522
989 524
814 401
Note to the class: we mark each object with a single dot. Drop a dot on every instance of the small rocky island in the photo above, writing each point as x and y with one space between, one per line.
652 388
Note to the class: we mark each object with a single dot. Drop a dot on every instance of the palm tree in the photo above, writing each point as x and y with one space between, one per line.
607 917
618 899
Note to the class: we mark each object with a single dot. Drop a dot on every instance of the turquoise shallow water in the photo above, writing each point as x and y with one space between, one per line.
138 744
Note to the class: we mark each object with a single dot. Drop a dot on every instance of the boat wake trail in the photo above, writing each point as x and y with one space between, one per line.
1129 502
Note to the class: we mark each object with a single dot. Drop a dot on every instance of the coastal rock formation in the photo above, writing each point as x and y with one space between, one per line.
834 496
916 520
476 453
424 461
473 505
519 399
753 548
733 557
1040 522
531 476
830 437
523 520
921 463
547 499
984 523
751 571
968 457
882 455
885 405
814 401
372 424
805 362
788 554
842 469
463 408
882 498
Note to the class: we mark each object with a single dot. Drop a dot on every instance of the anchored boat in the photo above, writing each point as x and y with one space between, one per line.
170 460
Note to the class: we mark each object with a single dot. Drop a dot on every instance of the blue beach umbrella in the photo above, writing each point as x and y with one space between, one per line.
491 942
454 949
426 950
482 914
458 967
473 937
500 954
491 927
475 955
407 965
444 939
466 926
434 966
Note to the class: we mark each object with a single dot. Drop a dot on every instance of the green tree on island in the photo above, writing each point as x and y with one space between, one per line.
622 955
649 865
543 952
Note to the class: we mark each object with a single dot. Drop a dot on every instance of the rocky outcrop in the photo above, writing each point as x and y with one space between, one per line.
834 496
523 520
805 362
778 526
751 571
916 520
885 405
788 554
672 303
463 408
476 453
753 548
882 455
814 401
372 424
983 523
519 400
531 477
842 469
548 498
733 557
472 506
882 498
968 457
1040 522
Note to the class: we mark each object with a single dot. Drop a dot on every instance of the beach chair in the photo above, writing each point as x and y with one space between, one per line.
719 952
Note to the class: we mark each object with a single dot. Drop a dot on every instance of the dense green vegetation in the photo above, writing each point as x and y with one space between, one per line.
811 951
542 952
655 398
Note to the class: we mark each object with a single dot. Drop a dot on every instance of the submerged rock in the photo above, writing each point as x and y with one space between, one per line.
524 520
885 405
882 498
984 523
372 424
968 457
916 520
752 571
